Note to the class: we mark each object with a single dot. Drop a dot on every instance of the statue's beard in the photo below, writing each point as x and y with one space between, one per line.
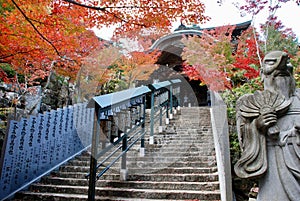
281 84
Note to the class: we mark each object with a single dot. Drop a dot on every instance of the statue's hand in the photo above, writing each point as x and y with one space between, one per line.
265 121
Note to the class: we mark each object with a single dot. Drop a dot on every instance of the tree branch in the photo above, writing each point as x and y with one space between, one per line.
16 35
123 20
34 27
13 54
85 6
107 7
104 9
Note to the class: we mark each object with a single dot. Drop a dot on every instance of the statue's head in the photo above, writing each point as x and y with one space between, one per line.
277 73
276 60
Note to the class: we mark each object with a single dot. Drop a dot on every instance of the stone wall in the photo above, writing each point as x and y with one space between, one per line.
221 140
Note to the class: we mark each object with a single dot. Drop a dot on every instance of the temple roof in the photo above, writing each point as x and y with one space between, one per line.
171 44
243 25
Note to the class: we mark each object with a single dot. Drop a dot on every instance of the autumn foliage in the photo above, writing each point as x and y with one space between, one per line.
36 39
246 58
94 71
209 57
138 65
35 33
108 66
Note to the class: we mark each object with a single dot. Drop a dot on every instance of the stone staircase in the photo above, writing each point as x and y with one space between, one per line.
181 165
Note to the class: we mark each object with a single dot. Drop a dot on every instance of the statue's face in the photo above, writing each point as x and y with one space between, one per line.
276 60
277 75
281 82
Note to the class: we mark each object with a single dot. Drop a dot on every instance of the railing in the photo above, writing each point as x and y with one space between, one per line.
164 97
36 145
109 124
124 113
174 96
160 96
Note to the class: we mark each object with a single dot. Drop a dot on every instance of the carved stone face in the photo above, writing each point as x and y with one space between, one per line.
275 60
277 74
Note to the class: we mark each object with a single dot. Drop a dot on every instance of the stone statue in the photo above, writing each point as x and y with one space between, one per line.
268 124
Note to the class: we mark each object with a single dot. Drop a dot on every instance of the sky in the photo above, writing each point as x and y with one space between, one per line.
228 14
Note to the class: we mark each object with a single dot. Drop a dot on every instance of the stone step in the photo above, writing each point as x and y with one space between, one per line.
200 186
137 193
186 132
170 164
134 170
158 156
181 159
188 142
204 177
163 158
86 161
159 149
159 165
197 139
73 197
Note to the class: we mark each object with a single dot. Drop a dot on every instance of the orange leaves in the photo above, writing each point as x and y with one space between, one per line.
36 33
141 58
103 57
137 14
210 57
138 65
215 79
95 71
38 36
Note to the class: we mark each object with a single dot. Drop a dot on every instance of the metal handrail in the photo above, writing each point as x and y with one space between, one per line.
133 129
113 152
106 104
159 90
120 155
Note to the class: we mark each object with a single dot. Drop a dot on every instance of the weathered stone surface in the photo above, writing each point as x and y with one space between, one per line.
269 131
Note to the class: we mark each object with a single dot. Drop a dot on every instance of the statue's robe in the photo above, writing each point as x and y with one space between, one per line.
275 160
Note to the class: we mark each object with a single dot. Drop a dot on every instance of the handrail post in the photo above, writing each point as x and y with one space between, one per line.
171 101
160 129
124 171
159 90
151 140
143 118
167 114
93 162
127 121
176 94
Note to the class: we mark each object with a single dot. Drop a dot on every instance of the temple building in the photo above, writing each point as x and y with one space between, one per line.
170 60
